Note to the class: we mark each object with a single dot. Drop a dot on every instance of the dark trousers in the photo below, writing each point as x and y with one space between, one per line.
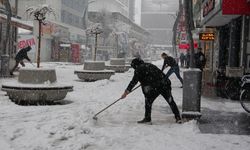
152 93
175 70
16 65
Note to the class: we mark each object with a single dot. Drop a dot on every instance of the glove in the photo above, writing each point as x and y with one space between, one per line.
124 95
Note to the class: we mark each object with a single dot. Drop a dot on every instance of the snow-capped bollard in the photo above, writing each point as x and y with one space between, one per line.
117 61
94 65
36 76
191 104
118 65
93 71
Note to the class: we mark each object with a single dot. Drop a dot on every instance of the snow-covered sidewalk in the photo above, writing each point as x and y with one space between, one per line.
69 126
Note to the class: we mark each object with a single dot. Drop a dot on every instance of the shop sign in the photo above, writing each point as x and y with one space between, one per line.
26 42
206 36
208 6
233 7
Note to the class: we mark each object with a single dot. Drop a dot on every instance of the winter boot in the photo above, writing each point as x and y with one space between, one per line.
178 119
145 121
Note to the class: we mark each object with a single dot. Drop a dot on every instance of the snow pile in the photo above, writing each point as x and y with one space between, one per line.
69 126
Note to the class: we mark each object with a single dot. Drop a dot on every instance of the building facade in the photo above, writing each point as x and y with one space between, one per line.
120 6
228 53
62 30
121 34
158 18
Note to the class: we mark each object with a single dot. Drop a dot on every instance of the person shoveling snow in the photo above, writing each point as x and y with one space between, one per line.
20 56
153 83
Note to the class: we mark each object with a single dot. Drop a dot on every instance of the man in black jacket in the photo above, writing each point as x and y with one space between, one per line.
153 83
200 59
174 68
20 56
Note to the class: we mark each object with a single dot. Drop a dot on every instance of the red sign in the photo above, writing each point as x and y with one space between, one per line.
75 53
233 7
186 45
25 43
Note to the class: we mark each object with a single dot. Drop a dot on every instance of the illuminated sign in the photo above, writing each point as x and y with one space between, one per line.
206 36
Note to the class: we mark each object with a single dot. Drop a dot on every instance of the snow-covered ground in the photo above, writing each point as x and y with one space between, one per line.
70 126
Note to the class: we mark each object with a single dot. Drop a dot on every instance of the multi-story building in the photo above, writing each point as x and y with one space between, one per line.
119 15
65 28
120 6
132 10
158 17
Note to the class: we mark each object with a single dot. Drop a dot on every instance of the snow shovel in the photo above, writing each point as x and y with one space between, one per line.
95 116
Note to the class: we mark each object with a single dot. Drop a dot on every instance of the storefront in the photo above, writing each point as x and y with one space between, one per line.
225 54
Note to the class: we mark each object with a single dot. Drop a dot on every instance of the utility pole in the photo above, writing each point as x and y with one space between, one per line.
5 55
175 27
191 104
188 4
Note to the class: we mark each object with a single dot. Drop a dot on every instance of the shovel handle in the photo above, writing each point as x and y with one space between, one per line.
95 116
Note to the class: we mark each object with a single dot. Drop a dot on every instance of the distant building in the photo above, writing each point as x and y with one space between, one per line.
132 10
158 17
120 6
62 30
119 18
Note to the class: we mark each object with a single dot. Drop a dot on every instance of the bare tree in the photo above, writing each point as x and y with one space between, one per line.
95 29
39 14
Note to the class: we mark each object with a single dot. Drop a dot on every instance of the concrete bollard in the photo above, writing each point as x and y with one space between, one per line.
117 61
191 104
94 65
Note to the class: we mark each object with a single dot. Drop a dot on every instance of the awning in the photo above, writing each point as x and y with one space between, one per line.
17 22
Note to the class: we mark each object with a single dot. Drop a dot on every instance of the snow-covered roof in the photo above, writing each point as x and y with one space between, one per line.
18 23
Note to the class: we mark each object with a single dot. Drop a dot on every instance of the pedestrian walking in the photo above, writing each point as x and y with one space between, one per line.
153 83
188 59
200 59
20 56
182 59
174 68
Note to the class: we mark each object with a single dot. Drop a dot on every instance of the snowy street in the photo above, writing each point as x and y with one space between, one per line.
69 125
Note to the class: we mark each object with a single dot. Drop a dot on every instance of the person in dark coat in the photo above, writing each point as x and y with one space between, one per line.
153 83
182 59
174 68
20 56
187 59
200 59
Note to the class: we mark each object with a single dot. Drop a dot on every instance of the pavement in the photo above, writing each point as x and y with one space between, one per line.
224 122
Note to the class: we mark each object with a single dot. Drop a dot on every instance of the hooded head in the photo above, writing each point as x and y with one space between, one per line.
28 48
136 62
164 55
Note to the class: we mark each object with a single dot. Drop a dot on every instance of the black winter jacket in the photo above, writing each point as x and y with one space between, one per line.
148 75
170 61
22 54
